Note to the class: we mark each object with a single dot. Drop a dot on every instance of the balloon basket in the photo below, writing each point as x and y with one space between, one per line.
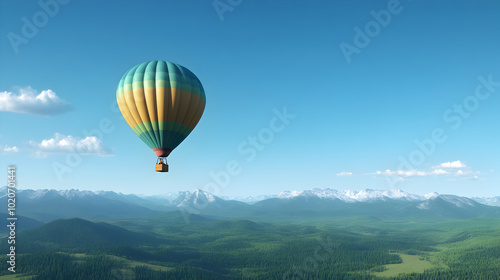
161 167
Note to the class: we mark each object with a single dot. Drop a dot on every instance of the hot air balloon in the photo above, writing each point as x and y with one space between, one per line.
162 102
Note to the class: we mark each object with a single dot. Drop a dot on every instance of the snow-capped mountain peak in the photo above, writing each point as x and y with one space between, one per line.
457 200
68 194
198 198
491 201
289 194
201 194
365 195
431 195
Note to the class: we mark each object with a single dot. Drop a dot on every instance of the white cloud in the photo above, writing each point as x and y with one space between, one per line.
29 101
404 173
401 174
412 173
344 173
6 149
70 144
452 164
439 172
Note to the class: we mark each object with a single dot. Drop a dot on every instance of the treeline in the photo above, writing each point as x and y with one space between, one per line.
294 262
56 266
247 250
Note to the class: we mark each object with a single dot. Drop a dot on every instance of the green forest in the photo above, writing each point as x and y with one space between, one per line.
169 247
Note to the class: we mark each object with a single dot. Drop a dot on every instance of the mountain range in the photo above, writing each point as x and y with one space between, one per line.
48 205
492 201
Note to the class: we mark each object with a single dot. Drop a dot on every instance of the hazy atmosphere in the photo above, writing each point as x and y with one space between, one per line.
300 94
253 140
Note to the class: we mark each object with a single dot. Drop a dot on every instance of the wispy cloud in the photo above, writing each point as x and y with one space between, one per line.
403 173
29 101
7 150
439 170
70 144
344 173
451 164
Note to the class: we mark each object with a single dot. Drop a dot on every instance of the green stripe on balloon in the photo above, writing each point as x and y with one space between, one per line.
170 143
145 138
168 72
160 83
162 125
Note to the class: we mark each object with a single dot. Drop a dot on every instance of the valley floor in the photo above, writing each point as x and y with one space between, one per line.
168 248
409 264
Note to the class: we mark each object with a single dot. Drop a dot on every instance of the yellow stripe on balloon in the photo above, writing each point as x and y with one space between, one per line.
129 100
125 111
197 115
140 104
184 102
191 111
150 94
160 103
163 104
173 107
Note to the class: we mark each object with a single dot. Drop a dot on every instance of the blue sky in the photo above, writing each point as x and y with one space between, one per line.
377 94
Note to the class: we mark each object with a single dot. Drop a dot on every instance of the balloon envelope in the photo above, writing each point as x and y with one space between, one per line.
162 102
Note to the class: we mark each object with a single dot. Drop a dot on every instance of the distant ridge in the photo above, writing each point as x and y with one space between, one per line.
365 195
491 201
76 232
47 205
175 198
